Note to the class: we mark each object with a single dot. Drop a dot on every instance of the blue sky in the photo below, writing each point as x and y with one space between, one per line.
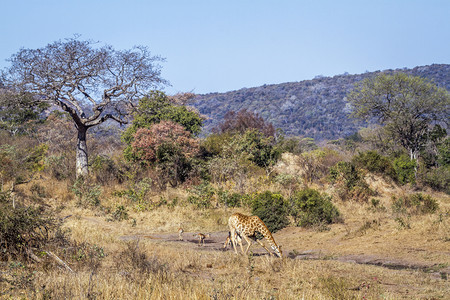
218 46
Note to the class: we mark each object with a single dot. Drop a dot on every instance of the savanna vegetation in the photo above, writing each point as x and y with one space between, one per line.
362 217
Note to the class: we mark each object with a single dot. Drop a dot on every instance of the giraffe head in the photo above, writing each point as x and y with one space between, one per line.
278 251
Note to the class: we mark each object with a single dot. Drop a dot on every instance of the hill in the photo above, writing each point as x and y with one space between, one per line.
314 108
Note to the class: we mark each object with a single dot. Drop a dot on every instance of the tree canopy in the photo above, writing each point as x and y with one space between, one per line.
409 107
156 107
241 121
19 112
92 83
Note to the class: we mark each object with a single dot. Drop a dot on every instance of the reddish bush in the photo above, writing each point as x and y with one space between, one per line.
169 147
243 120
147 142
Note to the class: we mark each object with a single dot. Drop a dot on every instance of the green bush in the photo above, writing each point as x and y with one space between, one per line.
213 144
309 208
405 169
201 195
346 172
375 163
415 204
121 213
21 163
139 190
261 150
87 193
23 228
60 167
272 208
438 179
104 170
229 199
444 152
349 182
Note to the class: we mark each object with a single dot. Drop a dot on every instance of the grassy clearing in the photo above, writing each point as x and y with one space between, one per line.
108 267
160 271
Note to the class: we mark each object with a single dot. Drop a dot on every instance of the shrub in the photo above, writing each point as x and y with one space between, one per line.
309 208
19 164
87 193
38 190
243 120
260 149
349 182
168 146
374 162
201 195
229 199
137 265
22 228
272 209
121 213
405 169
213 144
139 189
233 165
317 163
104 169
288 182
376 205
346 172
444 152
415 204
438 179
157 107
60 167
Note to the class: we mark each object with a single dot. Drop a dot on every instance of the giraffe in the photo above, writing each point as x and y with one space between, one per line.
246 226
180 233
201 238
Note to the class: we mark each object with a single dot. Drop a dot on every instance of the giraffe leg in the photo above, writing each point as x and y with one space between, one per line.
233 238
249 243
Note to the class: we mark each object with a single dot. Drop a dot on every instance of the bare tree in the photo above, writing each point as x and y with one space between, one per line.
242 120
92 83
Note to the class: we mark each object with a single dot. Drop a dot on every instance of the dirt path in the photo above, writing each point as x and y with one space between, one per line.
216 241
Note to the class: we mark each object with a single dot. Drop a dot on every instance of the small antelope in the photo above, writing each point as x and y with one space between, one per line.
201 238
229 241
180 233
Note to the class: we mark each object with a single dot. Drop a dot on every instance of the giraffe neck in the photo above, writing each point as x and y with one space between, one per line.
268 236
262 228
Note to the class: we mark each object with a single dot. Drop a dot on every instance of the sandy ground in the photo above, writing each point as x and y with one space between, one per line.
216 243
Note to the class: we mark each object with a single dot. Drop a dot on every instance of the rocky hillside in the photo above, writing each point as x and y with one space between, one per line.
314 108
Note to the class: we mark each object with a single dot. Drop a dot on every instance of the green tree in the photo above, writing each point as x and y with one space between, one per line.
408 106
19 112
261 150
91 83
156 107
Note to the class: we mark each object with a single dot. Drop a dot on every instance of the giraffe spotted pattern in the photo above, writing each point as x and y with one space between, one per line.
246 227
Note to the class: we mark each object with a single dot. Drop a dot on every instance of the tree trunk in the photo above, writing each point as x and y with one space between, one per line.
414 155
82 154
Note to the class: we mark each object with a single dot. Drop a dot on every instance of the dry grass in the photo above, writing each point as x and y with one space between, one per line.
174 274
162 269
